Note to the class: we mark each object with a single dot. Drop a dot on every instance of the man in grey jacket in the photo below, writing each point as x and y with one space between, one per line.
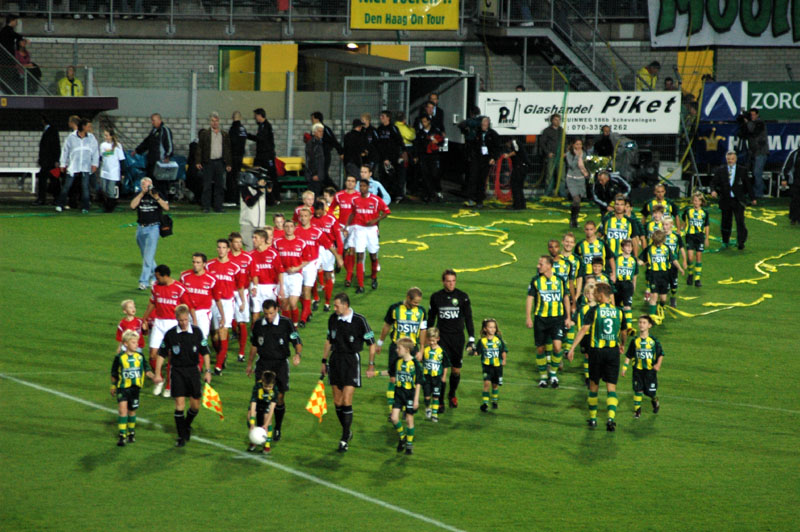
315 160
549 146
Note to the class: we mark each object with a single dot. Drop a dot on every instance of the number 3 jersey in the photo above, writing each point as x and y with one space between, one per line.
607 321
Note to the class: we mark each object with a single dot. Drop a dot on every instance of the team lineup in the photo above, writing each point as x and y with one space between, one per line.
581 299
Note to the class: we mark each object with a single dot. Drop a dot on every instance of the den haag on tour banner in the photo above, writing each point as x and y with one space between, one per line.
628 113
406 15
681 23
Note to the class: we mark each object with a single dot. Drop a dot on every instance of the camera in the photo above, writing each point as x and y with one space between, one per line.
251 178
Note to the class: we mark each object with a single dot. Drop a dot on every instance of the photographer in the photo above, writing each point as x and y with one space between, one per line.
149 205
253 189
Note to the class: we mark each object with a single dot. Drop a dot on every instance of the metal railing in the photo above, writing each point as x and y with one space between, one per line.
19 79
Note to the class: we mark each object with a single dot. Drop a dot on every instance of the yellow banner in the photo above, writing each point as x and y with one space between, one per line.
407 15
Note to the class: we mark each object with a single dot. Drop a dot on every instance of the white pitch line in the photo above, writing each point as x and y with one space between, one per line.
243 454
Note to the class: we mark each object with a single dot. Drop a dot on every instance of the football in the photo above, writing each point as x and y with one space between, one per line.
258 436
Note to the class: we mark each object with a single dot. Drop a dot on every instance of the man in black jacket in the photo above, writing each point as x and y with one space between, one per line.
426 147
438 112
238 136
49 154
732 186
605 189
265 149
329 143
355 148
158 146
315 160
486 152
390 146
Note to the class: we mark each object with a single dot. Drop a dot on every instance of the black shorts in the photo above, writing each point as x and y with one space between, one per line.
493 374
344 370
604 364
547 330
696 242
624 295
673 278
431 385
659 282
260 415
281 370
131 395
185 382
453 346
404 400
645 381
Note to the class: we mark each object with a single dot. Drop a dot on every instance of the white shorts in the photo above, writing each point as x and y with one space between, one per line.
203 320
350 241
366 238
242 316
327 262
264 292
310 273
159 329
292 284
227 306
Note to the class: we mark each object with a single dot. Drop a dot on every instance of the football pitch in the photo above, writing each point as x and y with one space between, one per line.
723 452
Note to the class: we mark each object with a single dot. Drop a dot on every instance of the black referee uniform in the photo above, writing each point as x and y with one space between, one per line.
450 311
183 350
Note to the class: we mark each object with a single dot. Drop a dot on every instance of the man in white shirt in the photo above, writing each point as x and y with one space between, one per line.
79 158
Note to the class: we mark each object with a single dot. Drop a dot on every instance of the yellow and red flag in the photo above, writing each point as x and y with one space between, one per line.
212 401
317 404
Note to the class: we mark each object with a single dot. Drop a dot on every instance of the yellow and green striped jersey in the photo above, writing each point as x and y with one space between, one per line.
263 397
562 268
409 374
627 268
574 264
602 278
617 230
128 369
491 351
644 352
669 208
658 258
432 361
696 220
674 242
652 227
586 251
549 295
582 314
406 321
607 321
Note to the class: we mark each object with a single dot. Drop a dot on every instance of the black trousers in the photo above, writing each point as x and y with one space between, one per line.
231 186
213 180
518 186
478 174
47 183
794 205
730 211
430 177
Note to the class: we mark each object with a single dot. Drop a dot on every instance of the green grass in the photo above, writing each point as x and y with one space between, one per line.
723 449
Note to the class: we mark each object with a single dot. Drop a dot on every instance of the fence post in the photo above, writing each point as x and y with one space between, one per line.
110 26
230 29
346 31
289 112
89 81
48 26
193 108
594 33
289 26
171 25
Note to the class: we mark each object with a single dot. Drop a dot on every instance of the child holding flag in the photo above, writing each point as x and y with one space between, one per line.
127 376
406 394
262 408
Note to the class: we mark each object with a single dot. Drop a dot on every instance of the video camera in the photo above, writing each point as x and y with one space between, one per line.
250 178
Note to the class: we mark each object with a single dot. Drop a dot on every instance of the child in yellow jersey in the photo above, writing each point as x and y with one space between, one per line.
406 393
493 352
262 407
127 376
674 241
585 303
651 227
625 286
647 355
696 222
658 258
434 371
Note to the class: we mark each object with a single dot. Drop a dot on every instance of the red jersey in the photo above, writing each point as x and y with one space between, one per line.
133 325
243 260
296 215
314 237
201 288
226 274
277 233
330 226
343 200
368 208
266 266
166 297
292 252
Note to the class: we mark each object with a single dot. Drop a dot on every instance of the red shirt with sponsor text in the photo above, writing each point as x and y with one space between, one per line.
296 215
343 200
368 209
266 266
201 288
330 226
292 252
131 325
314 237
226 274
243 260
166 297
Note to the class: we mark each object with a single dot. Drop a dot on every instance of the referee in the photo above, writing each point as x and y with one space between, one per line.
270 338
347 334
182 346
452 308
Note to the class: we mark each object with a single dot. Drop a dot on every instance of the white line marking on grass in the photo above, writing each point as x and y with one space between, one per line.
64 372
245 455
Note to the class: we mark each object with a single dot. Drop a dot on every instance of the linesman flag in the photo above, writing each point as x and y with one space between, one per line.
317 404
212 401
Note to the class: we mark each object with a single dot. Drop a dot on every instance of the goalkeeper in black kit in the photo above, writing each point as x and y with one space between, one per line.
450 311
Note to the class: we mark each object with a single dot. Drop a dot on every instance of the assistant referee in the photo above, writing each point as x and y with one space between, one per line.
270 338
348 331
182 346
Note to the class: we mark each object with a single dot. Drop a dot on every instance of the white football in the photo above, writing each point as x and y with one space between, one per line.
258 436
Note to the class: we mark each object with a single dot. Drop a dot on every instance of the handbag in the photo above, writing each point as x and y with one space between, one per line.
166 225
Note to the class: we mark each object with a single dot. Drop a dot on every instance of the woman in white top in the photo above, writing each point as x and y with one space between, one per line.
113 168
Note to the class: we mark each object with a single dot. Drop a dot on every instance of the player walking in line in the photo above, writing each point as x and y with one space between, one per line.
617 227
607 328
406 397
225 271
368 211
624 288
341 207
585 303
434 369
262 407
308 203
696 220
667 207
130 323
266 270
241 296
316 240
675 244
552 316
493 352
278 219
294 255
647 354
202 289
590 248
127 376
330 226
658 258
452 310
404 319
567 248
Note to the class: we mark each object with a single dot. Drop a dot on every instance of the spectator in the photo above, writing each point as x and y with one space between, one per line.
647 77
238 136
265 147
213 160
329 143
28 67
405 168
669 84
138 9
437 113
49 154
550 144
79 158
68 85
604 144
791 179
371 136
520 88
486 151
149 206
427 153
757 149
605 189
90 7
515 150
428 109
390 146
113 169
157 145
252 208
576 179
355 148
315 159
9 42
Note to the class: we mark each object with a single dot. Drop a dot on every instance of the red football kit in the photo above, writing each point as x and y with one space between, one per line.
201 288
131 325
368 209
314 238
266 266
166 298
226 274
243 260
330 226
343 200
292 252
